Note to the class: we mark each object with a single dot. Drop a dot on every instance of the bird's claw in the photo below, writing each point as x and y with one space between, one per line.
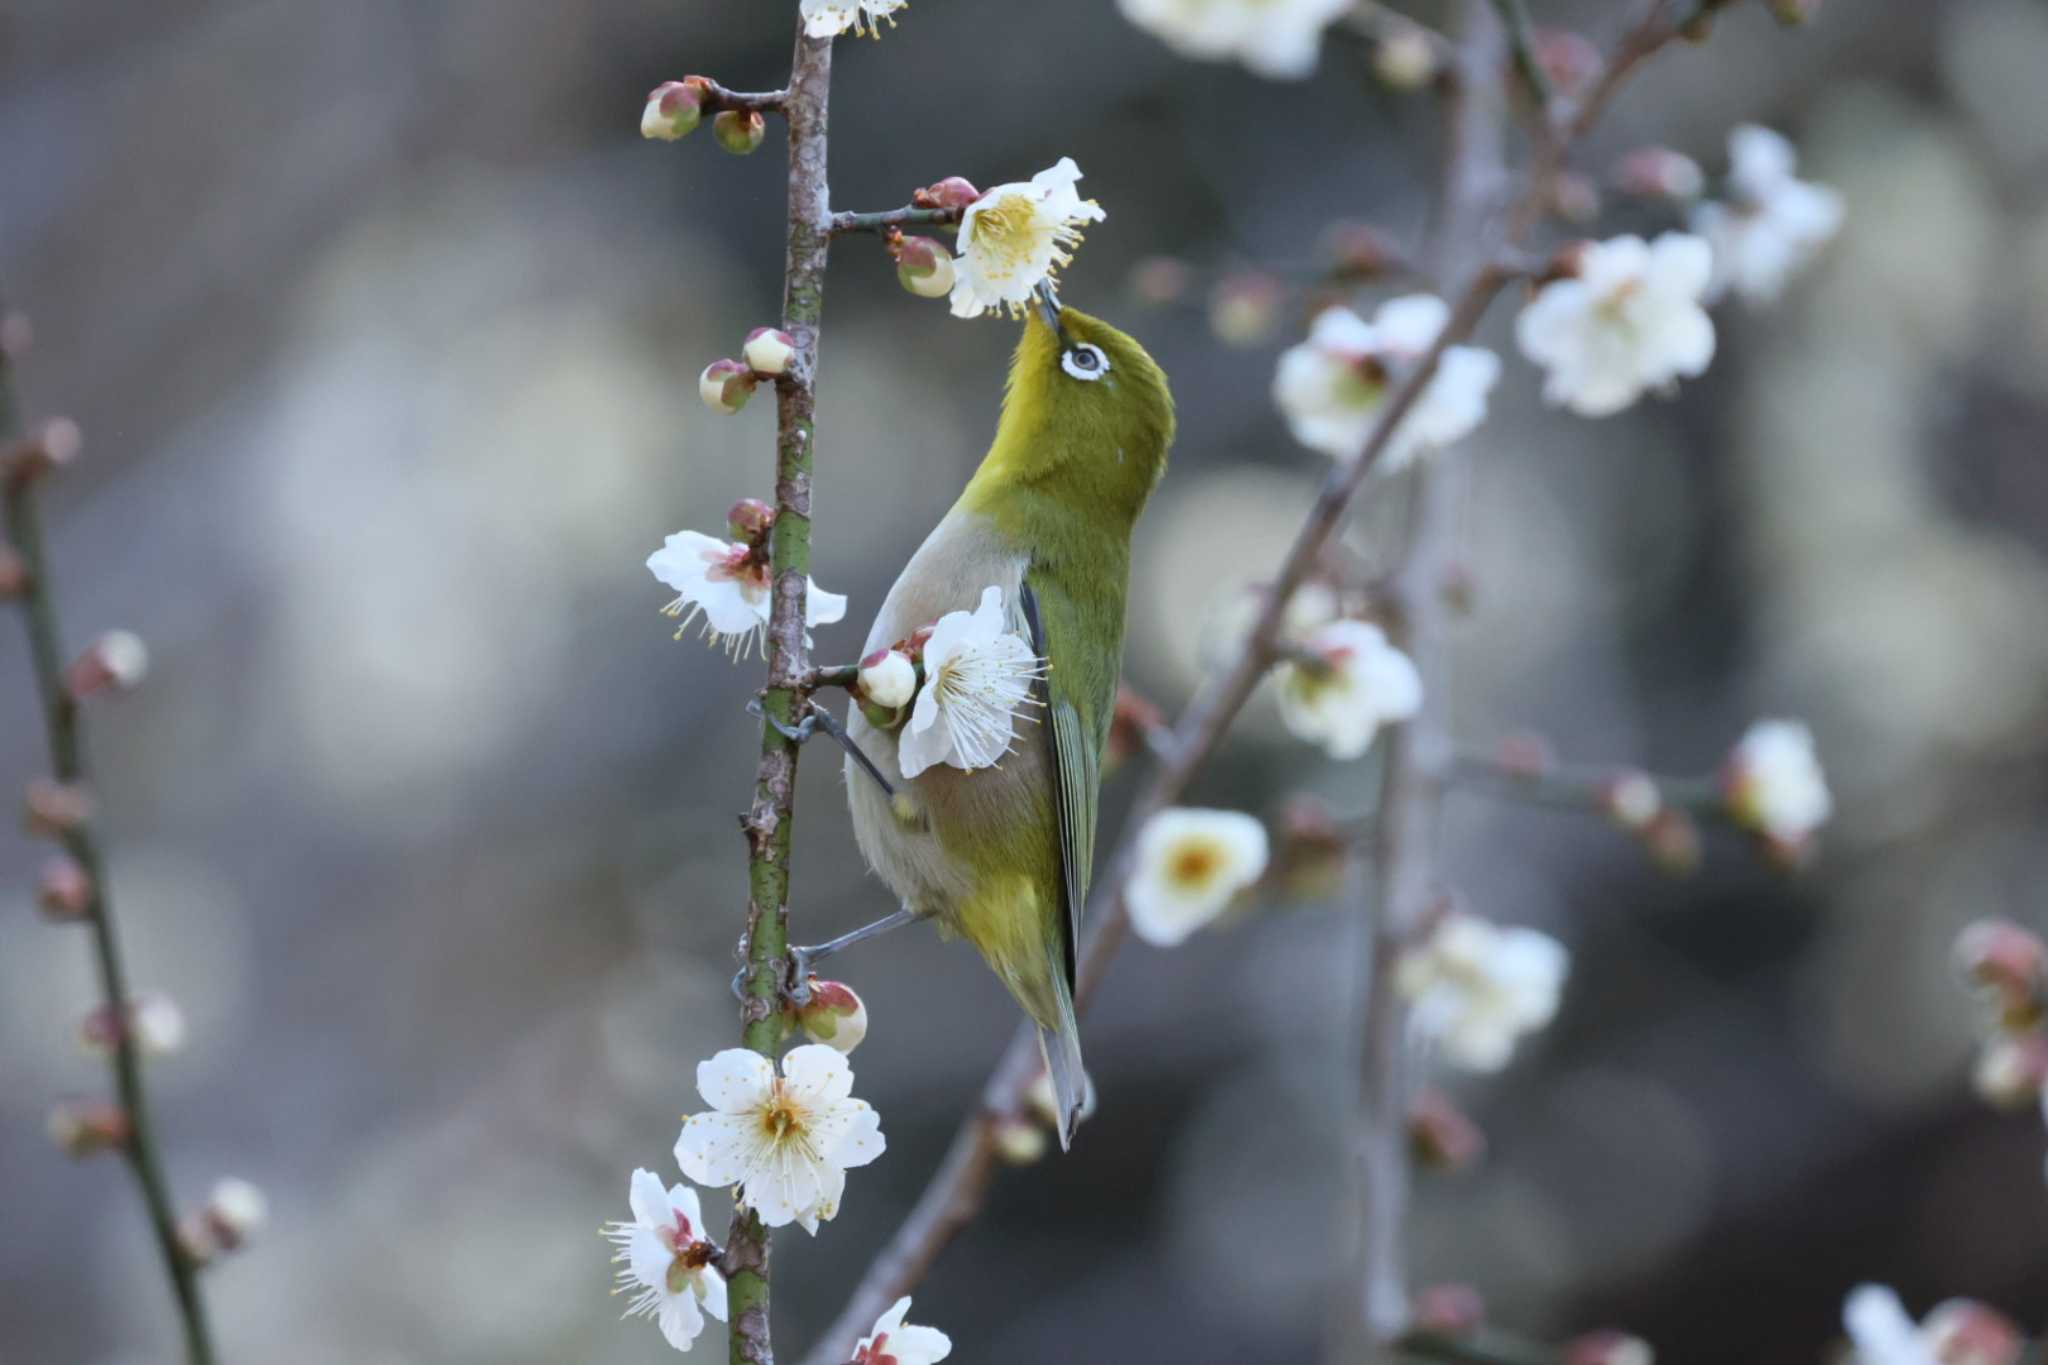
795 734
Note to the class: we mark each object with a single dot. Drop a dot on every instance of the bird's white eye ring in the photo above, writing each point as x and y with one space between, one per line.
1084 361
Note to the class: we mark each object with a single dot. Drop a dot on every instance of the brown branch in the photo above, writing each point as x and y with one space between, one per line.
714 98
64 729
909 216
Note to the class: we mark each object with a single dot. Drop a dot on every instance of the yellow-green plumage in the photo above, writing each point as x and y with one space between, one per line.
1002 855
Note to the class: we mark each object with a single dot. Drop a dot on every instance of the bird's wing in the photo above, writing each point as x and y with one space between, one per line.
1074 743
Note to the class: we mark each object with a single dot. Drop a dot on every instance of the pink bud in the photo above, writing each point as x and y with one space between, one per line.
1524 755
13 575
750 520
86 1127
725 386
16 336
739 131
1569 59
769 351
1608 1347
1575 197
2011 1069
1244 308
1359 251
888 678
835 1016
1135 725
1631 800
954 192
1159 280
673 110
233 1212
1965 1332
1314 850
1673 842
52 809
117 661
2007 958
48 449
65 891
1659 173
925 267
154 1021
1449 1310
1440 1136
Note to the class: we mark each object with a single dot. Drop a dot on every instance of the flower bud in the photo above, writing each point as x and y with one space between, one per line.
1019 1142
1524 755
1608 1347
1160 280
1569 59
1659 173
1313 850
750 520
1245 308
725 386
234 1212
2009 960
86 1127
1135 726
1359 251
2010 1070
888 678
1965 1332
673 110
1792 13
154 1021
117 661
1404 58
1449 1310
1673 842
954 192
925 267
13 575
1631 800
53 809
769 351
739 131
834 1015
16 336
1459 588
65 891
48 449
1575 197
1440 1136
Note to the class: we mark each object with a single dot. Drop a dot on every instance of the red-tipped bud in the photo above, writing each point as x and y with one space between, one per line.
53 809
769 351
739 131
834 1016
1404 58
1019 1142
1569 59
725 386
1659 173
155 1023
16 336
13 575
1575 197
954 192
1608 1347
925 267
750 520
1965 1332
51 448
1524 755
1673 842
65 891
1440 1136
674 108
1631 799
87 1127
1314 850
888 678
2006 958
1360 251
1792 13
231 1216
1245 308
1449 1310
2011 1069
116 662
1160 280
1134 726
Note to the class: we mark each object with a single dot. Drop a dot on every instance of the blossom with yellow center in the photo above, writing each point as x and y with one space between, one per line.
1191 864
665 1260
830 18
1474 987
1351 682
1017 235
786 1140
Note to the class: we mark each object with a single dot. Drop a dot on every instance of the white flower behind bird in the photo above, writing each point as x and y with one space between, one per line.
1629 320
1773 224
1332 386
1191 865
665 1257
1356 683
1474 987
1016 236
786 1140
727 586
977 681
1279 39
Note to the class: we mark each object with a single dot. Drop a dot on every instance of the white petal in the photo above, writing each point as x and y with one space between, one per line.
719 1149
648 1259
684 558
1412 322
1682 263
710 1287
735 1080
682 1199
1879 1326
680 1320
862 1140
817 1074
923 743
822 608
1340 330
916 1345
649 1200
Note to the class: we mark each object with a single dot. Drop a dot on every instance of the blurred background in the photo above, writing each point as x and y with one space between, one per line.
383 324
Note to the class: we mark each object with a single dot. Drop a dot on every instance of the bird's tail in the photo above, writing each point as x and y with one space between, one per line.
1061 1046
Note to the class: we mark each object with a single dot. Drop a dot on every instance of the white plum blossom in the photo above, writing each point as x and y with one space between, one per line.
1279 39
1017 235
727 585
896 1342
1191 863
1629 320
1474 987
1773 223
786 1140
1774 783
665 1259
977 679
830 18
1881 1331
1332 386
1355 683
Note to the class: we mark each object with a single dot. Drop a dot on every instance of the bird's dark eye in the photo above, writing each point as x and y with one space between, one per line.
1084 361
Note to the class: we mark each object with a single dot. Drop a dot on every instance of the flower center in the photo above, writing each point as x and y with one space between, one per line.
875 1352
781 1118
1006 233
1194 865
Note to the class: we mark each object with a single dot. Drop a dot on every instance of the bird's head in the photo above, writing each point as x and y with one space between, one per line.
1087 415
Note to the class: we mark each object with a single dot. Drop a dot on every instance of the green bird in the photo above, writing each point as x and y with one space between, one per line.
1001 855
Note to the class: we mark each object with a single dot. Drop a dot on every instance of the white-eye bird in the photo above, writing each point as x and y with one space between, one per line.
1002 855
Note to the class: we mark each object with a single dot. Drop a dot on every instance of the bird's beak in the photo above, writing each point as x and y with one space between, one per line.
1049 309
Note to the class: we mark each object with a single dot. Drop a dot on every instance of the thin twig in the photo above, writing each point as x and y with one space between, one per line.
768 821
1514 16
715 98
1578 786
64 729
908 216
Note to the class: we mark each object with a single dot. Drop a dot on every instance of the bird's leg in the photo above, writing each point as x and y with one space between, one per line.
821 719
802 960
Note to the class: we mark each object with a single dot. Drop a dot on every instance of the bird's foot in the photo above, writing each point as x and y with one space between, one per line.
795 734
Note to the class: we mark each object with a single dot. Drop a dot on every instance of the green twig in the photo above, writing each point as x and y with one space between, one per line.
63 727
910 216
1514 15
